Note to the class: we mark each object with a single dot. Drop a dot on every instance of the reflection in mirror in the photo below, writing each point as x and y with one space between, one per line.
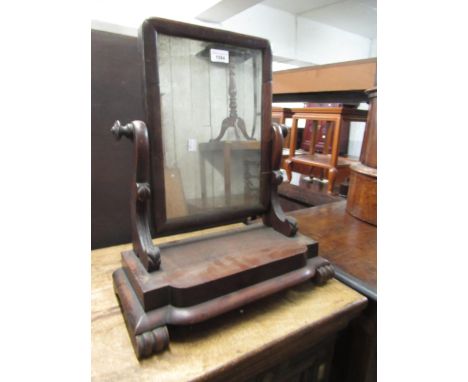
211 125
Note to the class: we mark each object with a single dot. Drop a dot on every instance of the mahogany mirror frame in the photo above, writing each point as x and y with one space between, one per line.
147 40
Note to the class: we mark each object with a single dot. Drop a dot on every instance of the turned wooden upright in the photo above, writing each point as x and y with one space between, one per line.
362 194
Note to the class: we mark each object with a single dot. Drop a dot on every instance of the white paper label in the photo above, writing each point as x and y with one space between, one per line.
192 144
218 55
296 179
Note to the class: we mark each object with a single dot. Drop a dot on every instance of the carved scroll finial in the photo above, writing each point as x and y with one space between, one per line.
118 130
143 191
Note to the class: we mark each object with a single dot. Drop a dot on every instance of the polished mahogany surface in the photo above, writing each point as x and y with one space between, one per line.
188 283
345 241
281 335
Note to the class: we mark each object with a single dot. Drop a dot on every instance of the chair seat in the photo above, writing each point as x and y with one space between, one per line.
321 160
285 152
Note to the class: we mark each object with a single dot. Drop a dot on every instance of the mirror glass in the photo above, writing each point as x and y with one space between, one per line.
211 125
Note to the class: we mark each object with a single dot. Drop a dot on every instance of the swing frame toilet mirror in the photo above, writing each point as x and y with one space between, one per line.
187 281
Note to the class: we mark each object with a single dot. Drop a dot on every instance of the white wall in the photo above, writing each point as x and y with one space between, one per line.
323 44
300 39
295 41
373 48
132 14
273 24
356 135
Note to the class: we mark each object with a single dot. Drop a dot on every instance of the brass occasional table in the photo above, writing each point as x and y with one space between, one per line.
287 336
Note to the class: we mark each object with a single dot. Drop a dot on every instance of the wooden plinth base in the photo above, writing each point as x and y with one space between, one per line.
204 277
362 193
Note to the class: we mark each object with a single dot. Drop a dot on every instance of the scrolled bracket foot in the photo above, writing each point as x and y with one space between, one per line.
153 262
151 342
324 272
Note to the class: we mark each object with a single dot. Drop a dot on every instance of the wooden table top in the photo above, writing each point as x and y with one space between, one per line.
226 348
349 243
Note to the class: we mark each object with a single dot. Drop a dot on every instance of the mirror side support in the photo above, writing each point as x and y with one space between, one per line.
140 197
275 217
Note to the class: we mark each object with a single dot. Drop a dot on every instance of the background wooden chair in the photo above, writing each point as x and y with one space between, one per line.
330 128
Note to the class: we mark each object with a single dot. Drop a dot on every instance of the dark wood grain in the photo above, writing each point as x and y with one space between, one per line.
205 277
345 241
270 338
347 97
355 358
275 216
140 194
307 193
349 242
351 245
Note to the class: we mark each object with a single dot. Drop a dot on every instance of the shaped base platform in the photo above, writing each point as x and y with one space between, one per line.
203 277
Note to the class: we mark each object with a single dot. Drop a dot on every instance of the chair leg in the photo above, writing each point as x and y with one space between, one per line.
331 179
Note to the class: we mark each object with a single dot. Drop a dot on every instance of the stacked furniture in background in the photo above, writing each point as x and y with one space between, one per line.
348 238
279 114
362 195
187 282
328 138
